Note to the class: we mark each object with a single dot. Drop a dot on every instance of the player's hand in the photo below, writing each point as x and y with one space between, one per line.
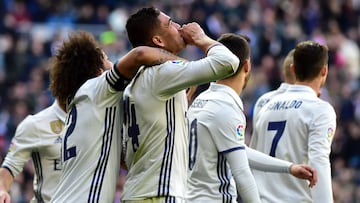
306 172
4 197
192 33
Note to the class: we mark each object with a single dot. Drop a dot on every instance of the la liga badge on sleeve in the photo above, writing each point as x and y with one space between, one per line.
240 131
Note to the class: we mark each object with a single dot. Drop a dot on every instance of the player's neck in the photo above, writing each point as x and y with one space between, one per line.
236 84
314 84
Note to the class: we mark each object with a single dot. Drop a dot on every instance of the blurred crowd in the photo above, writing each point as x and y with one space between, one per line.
31 31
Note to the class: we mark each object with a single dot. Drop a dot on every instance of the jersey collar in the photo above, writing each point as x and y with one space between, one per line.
59 112
228 90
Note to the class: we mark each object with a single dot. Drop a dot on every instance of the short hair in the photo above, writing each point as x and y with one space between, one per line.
77 60
289 76
142 25
238 45
309 58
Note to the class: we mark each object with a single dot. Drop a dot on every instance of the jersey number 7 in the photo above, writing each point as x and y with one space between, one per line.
279 126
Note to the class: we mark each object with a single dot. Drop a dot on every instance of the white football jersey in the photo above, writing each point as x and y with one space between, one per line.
295 126
210 178
91 146
38 137
155 125
265 98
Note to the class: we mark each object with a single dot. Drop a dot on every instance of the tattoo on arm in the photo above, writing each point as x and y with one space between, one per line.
166 56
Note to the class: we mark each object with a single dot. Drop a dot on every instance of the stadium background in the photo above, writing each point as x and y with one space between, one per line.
31 30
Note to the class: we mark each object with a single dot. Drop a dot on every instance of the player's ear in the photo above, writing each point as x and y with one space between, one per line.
324 70
292 69
247 66
158 41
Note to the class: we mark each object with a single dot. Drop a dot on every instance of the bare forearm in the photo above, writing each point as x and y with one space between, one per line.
6 179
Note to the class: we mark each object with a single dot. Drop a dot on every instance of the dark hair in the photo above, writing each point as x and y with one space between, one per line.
288 75
142 25
309 58
238 45
77 60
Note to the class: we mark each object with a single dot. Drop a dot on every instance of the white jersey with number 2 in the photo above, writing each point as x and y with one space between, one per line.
91 146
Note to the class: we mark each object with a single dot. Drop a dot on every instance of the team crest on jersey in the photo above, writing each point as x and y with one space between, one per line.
330 133
56 126
176 61
240 131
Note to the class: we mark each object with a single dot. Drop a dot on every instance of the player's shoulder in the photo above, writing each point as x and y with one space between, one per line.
323 106
46 114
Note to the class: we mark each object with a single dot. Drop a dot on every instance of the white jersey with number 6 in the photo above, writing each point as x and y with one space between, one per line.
296 126
91 147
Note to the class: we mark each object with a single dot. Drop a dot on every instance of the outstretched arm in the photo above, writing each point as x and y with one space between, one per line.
264 162
129 64
244 179
6 179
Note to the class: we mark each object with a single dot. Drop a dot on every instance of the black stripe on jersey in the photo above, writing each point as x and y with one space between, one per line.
40 179
116 80
170 199
98 177
224 179
165 171
232 149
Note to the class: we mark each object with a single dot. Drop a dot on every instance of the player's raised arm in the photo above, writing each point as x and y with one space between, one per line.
129 64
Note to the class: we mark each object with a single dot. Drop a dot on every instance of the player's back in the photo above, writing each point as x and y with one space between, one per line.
284 130
265 98
92 144
156 127
210 178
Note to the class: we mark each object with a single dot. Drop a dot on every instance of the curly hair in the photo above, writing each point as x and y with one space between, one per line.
77 60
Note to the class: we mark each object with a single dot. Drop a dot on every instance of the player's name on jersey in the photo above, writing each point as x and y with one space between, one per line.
199 103
284 105
262 102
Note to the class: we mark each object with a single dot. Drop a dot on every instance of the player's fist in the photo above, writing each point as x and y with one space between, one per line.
306 172
192 33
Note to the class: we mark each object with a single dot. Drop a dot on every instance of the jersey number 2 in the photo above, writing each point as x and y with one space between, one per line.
279 126
71 151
